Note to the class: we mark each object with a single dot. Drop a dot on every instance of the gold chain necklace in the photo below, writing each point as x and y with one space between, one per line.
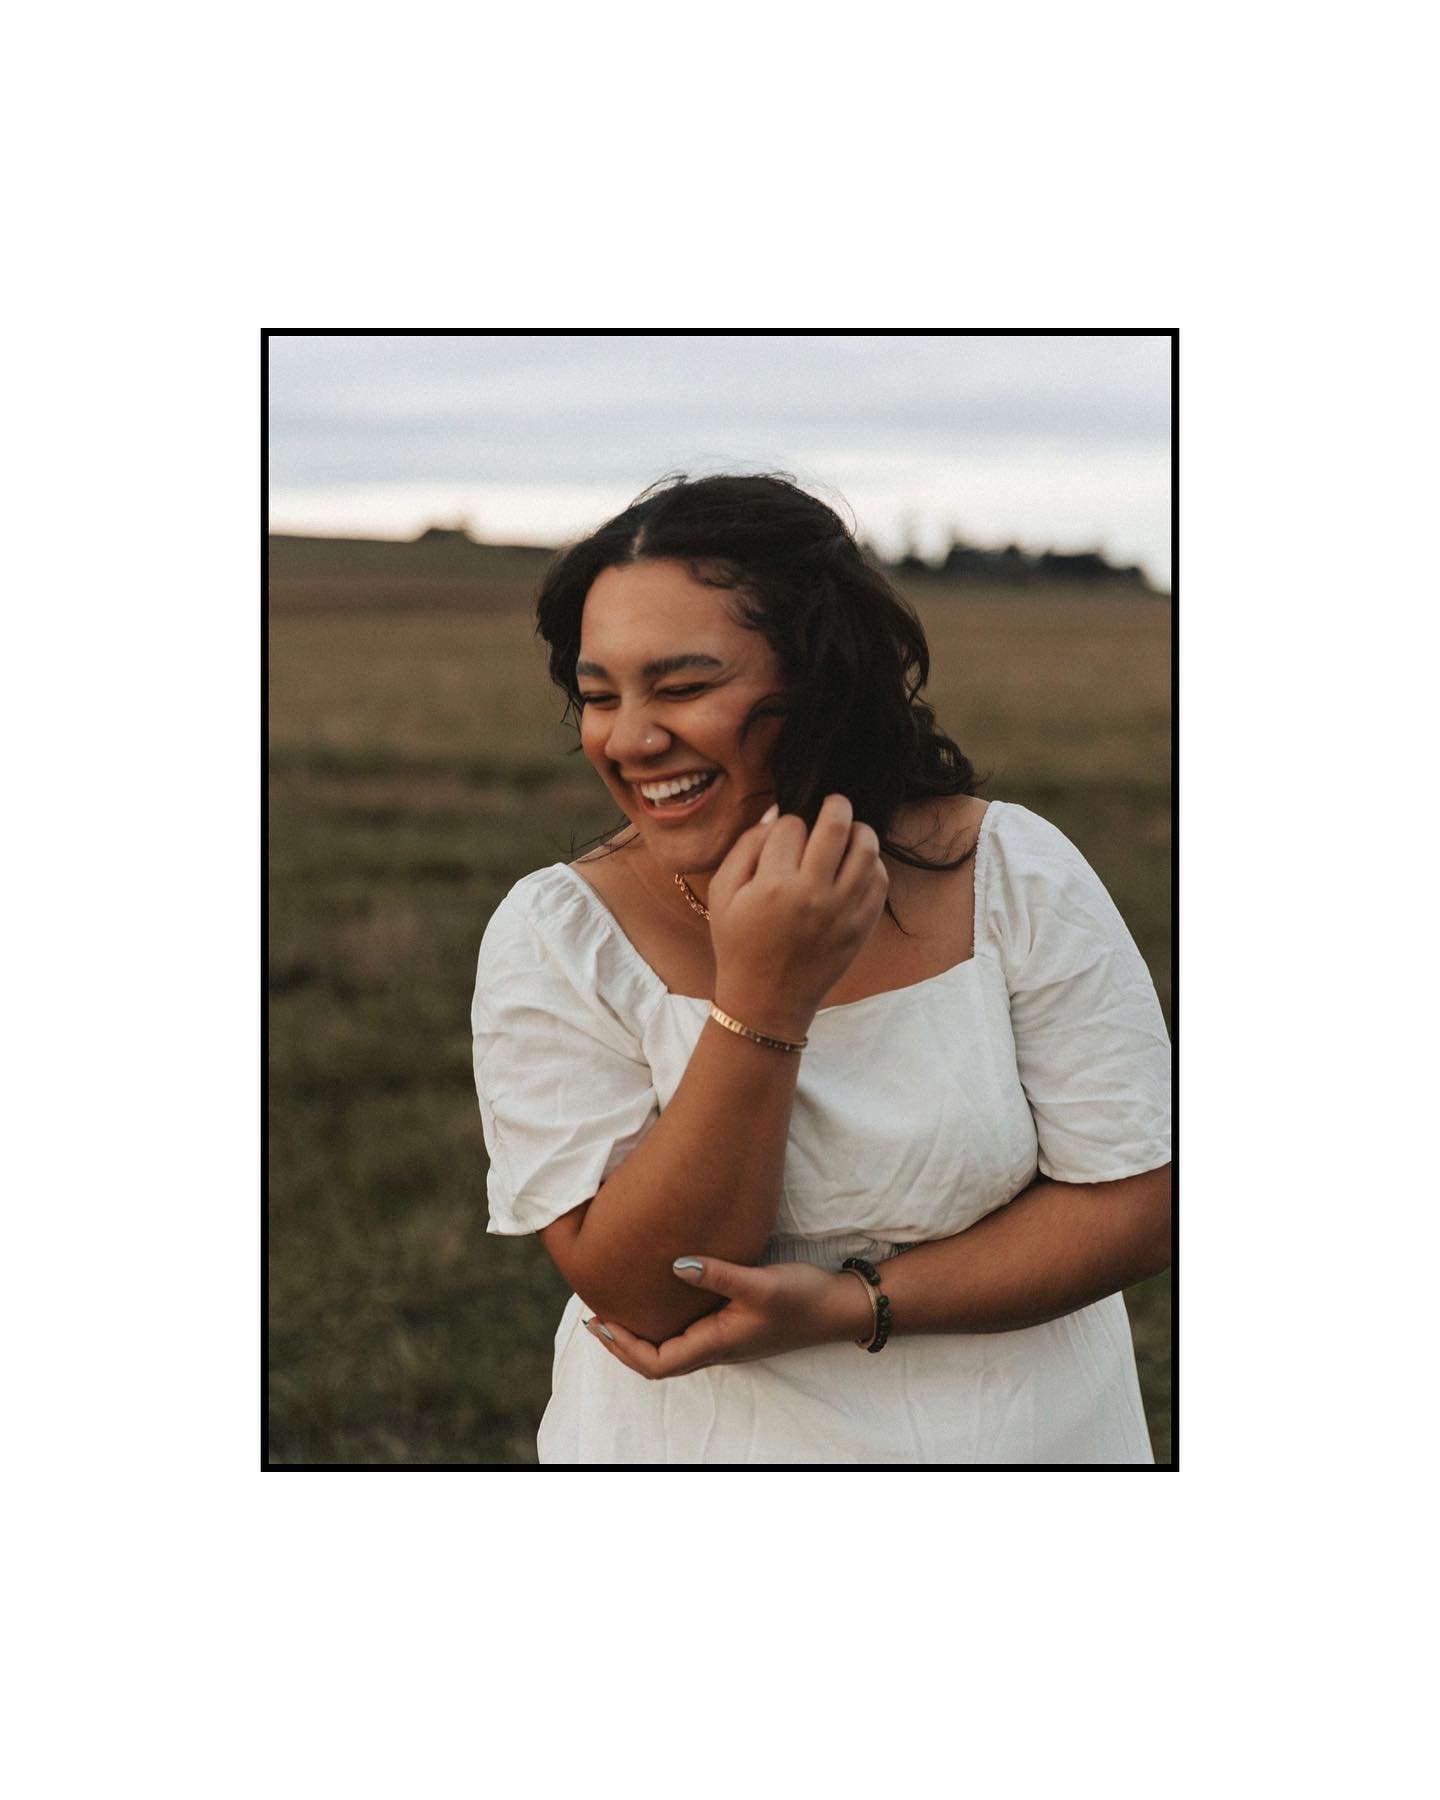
689 893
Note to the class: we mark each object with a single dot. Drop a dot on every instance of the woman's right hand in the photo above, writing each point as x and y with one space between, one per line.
789 913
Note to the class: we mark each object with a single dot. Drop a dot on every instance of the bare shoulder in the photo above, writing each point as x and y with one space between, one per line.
611 872
621 874
609 868
938 901
939 828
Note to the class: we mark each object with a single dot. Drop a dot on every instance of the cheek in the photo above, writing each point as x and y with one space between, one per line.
592 736
721 732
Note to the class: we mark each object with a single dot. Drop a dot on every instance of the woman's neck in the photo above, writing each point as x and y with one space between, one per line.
665 890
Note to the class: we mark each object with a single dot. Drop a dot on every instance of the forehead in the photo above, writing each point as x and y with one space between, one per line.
640 610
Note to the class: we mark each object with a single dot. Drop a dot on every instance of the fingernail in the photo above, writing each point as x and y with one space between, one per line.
768 818
687 1265
608 1335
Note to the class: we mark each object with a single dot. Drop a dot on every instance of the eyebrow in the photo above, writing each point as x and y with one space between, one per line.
662 665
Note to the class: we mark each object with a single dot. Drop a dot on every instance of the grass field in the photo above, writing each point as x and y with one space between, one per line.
418 769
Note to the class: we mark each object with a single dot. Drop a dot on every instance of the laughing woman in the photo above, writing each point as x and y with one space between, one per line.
839 1097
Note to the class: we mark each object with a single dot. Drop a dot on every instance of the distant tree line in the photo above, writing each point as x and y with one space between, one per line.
1010 567
1015 567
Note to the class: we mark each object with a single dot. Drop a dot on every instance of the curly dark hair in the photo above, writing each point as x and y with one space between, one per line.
852 652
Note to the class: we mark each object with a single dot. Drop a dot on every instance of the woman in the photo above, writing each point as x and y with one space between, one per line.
816 1002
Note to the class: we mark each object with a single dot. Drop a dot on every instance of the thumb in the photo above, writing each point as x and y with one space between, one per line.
730 1279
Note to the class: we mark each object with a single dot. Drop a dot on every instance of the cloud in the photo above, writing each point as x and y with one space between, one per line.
400 409
1058 440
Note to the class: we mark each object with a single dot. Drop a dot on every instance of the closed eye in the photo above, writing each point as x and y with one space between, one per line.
675 693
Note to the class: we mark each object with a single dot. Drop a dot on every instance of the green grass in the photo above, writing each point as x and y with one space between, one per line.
418 770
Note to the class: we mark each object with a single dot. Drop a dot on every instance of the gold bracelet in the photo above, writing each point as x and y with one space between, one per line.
864 1280
771 1043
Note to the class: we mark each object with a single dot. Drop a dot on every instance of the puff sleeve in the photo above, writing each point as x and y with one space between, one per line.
565 1091
1091 1047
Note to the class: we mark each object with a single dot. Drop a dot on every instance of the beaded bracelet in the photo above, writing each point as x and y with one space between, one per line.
879 1302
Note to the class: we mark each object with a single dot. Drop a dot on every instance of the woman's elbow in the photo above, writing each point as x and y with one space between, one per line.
654 1308
653 1304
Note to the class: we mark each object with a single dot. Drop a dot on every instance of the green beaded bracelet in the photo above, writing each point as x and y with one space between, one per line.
882 1303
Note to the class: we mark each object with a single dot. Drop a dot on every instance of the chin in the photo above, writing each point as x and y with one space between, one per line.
684 859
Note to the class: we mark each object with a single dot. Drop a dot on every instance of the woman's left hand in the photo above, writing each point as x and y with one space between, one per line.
786 1306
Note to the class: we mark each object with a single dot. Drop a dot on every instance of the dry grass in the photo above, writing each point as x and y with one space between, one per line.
418 771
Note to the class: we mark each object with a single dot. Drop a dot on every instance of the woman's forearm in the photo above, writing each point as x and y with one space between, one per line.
1055 1248
708 1173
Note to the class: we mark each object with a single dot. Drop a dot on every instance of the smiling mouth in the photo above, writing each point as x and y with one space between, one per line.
680 806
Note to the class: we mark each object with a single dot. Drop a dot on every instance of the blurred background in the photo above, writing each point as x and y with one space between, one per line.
1019 489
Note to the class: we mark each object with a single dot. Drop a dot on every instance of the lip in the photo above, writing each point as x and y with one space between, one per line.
674 815
666 775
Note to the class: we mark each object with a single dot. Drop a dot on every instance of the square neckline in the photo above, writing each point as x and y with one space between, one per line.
982 846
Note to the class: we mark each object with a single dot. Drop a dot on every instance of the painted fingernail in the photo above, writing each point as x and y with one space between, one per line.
609 1336
769 817
682 1263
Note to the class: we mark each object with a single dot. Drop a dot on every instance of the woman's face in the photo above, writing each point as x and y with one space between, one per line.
668 678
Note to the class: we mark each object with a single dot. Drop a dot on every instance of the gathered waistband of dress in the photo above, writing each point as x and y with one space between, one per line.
829 1252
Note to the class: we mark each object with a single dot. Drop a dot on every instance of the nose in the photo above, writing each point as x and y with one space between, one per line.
634 736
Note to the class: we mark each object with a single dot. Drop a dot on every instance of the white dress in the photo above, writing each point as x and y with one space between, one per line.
917 1112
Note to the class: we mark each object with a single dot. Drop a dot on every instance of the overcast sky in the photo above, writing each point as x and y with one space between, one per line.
1044 441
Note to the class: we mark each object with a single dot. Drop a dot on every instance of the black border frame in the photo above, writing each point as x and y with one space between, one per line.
1173 333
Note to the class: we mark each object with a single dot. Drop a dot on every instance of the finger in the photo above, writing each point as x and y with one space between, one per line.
734 1280
692 1349
696 1347
625 1347
782 844
829 839
743 856
862 856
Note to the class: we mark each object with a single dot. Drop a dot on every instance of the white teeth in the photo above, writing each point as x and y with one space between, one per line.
655 791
